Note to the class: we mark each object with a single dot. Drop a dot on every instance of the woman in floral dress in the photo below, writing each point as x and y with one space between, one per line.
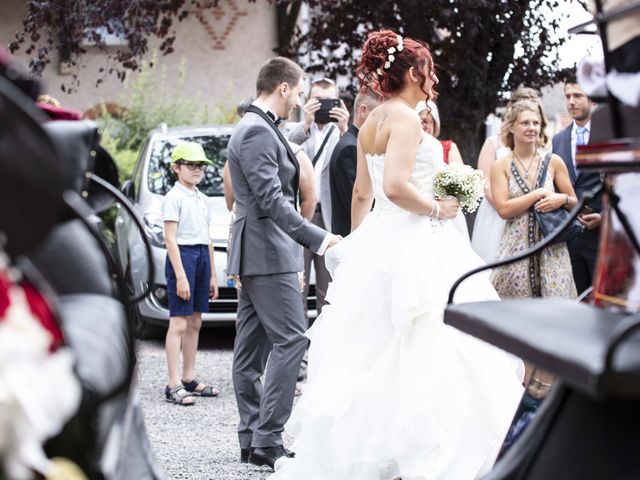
515 183
518 188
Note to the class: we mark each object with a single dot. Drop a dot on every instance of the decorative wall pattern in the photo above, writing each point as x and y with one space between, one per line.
219 18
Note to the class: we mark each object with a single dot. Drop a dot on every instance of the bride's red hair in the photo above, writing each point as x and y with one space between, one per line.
375 53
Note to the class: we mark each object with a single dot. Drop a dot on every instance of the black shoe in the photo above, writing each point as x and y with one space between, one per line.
302 373
268 455
244 455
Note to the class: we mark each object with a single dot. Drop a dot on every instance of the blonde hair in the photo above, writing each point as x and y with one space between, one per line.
48 100
435 115
511 117
432 109
523 93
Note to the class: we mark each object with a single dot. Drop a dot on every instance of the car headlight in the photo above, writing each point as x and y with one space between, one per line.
154 228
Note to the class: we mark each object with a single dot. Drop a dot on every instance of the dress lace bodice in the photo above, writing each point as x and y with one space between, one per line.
429 159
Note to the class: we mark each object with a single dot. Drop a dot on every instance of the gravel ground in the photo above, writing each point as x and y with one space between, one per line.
198 442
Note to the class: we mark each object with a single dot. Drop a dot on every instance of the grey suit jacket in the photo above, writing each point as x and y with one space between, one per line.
268 230
298 135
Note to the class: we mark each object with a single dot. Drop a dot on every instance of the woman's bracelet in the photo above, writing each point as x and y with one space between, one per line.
433 207
566 200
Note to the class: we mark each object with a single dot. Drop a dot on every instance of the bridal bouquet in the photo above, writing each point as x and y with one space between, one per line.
463 182
38 388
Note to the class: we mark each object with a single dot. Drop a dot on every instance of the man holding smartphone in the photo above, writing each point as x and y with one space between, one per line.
326 119
584 248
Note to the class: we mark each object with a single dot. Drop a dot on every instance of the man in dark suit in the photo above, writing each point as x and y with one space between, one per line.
265 250
342 174
584 248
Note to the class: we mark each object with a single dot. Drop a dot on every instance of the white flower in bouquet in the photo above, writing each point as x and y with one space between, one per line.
463 182
38 388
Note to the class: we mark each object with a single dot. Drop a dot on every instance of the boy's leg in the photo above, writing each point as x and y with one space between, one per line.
190 346
173 342
180 310
200 298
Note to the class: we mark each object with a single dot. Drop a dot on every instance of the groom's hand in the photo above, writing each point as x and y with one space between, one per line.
334 240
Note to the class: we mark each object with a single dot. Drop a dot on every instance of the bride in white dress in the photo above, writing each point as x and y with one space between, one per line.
392 391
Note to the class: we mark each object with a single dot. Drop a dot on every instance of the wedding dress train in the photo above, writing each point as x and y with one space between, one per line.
393 391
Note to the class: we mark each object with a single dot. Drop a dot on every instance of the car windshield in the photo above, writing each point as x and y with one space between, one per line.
161 178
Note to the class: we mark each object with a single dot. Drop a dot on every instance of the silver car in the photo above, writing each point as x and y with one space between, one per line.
151 180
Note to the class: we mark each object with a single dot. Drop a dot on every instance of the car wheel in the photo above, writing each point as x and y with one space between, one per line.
142 330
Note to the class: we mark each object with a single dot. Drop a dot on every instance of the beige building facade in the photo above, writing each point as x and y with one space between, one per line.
222 49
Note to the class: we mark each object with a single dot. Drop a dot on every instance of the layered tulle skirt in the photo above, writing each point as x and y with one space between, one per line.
487 231
391 390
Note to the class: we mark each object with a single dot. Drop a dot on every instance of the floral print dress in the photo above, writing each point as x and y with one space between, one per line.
546 274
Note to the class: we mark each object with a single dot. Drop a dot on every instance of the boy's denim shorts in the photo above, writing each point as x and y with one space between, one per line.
197 266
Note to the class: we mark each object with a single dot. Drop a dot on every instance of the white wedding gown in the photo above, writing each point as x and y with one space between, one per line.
488 225
393 391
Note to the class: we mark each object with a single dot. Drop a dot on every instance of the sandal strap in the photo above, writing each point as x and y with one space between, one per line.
207 390
192 385
178 394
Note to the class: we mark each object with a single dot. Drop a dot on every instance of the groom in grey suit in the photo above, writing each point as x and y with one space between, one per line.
266 252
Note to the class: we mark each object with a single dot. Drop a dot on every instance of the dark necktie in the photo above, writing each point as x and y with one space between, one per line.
275 119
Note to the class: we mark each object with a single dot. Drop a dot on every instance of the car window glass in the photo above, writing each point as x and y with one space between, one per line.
161 178
137 173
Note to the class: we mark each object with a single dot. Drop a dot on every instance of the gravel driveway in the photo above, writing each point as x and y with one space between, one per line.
198 442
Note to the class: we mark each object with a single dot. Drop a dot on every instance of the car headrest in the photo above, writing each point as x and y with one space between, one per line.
76 141
31 182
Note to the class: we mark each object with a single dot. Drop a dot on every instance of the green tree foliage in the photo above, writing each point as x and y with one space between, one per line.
482 48
149 100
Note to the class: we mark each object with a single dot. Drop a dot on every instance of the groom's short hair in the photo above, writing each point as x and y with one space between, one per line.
277 71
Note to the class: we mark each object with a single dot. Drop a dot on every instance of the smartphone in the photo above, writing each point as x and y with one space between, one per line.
326 104
586 210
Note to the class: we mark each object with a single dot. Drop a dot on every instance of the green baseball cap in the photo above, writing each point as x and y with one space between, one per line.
189 152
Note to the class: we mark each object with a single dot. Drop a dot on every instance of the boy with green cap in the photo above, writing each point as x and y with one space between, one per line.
189 270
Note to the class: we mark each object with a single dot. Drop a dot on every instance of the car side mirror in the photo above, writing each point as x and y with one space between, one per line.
129 189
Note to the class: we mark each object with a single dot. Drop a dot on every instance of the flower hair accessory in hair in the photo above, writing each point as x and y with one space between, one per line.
391 51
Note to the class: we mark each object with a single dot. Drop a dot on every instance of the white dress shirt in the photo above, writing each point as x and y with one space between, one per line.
574 140
316 138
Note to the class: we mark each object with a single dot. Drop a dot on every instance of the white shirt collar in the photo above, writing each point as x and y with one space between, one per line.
264 108
186 190
575 127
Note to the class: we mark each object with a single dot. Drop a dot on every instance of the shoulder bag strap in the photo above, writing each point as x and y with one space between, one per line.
290 154
324 142
543 172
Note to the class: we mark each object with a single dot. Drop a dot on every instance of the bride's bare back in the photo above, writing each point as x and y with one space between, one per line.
385 121
393 130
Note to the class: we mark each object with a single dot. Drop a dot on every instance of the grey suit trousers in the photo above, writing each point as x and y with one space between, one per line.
270 332
322 274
